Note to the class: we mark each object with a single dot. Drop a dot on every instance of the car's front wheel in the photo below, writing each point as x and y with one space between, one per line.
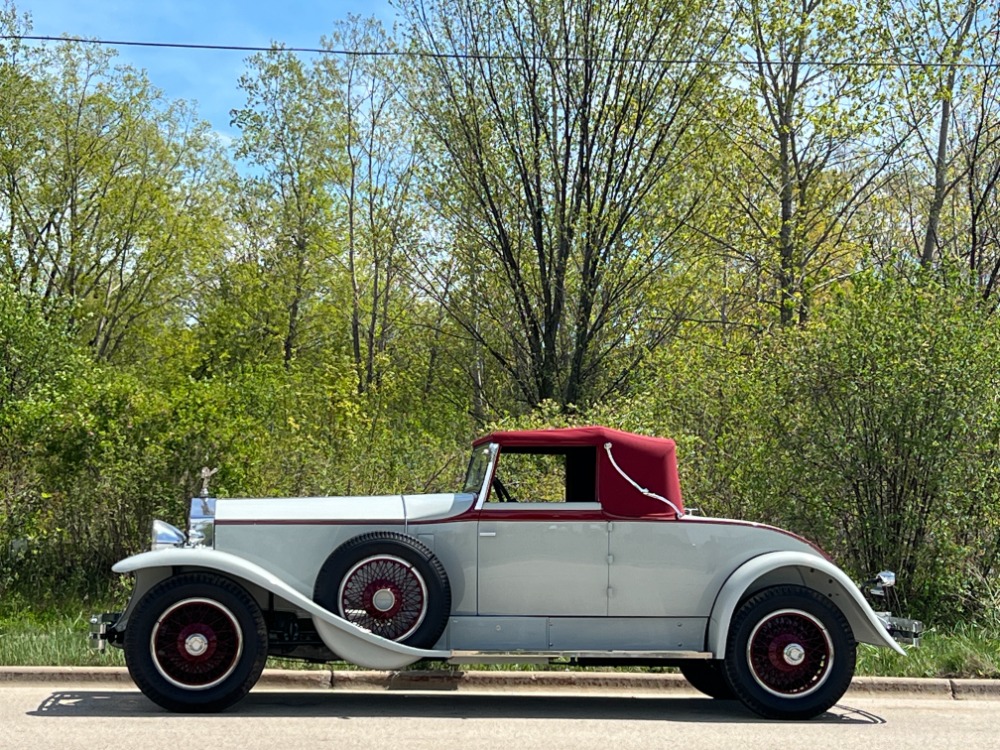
196 642
790 653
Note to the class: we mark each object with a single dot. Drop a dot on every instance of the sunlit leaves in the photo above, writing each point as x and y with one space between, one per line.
557 123
107 193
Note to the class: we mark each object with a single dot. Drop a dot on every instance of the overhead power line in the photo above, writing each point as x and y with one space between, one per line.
183 45
492 57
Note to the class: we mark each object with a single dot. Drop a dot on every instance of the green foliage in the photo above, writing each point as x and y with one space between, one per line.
399 253
109 194
37 361
874 431
886 424
961 650
93 461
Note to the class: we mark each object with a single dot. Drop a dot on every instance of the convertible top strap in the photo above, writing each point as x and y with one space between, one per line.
643 490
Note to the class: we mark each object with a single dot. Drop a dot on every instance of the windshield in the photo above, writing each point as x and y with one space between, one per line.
479 465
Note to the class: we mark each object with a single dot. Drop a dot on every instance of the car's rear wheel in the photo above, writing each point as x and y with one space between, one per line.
390 584
196 642
790 653
708 677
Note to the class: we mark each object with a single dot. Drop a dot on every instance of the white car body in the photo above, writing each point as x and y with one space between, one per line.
614 571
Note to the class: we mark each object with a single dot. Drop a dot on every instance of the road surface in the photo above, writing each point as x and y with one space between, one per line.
94 717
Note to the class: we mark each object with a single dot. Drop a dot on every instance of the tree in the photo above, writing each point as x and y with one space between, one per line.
807 155
555 122
375 189
935 41
284 251
978 135
108 192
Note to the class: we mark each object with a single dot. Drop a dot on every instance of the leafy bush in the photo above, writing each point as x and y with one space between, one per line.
873 430
92 452
885 424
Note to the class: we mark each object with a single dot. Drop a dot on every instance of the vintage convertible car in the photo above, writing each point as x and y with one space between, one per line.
564 544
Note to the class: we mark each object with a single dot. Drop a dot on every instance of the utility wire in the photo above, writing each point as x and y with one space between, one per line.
181 45
493 57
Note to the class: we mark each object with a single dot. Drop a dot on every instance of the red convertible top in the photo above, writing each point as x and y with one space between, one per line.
650 462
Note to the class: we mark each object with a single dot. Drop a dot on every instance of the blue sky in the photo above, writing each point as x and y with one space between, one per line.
208 77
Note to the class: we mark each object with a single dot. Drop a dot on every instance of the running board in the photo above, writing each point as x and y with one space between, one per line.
544 657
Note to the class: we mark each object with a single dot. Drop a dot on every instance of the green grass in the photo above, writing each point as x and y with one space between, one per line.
53 633
961 651
51 641
57 636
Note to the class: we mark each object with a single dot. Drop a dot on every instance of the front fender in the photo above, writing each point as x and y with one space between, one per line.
803 569
344 638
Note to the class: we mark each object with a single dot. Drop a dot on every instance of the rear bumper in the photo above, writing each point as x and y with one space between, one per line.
902 629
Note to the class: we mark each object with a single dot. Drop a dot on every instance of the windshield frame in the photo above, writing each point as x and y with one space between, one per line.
477 476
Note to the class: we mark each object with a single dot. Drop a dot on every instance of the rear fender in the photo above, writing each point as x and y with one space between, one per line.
343 638
803 569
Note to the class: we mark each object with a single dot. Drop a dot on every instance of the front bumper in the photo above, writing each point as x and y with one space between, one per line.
102 631
902 629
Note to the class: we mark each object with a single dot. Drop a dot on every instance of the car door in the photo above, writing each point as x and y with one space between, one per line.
540 560
660 568
675 568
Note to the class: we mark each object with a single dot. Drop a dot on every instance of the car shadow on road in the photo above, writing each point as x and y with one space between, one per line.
340 704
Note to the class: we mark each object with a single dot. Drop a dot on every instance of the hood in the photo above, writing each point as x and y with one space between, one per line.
359 508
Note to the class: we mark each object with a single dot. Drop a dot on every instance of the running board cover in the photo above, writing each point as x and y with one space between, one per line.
544 657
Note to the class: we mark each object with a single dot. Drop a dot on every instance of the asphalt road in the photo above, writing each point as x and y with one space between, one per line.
93 716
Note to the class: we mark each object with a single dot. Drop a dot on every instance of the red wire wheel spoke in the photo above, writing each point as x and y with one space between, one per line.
385 595
389 584
196 644
790 653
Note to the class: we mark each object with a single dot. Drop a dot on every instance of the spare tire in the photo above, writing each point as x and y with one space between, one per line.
389 584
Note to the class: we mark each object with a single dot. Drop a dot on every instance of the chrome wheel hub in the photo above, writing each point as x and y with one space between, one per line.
196 644
383 600
794 654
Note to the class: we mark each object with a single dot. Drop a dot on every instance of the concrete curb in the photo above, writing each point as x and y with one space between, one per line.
908 686
72 675
444 680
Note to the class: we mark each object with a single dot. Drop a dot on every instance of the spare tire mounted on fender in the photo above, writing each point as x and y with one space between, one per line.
390 584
